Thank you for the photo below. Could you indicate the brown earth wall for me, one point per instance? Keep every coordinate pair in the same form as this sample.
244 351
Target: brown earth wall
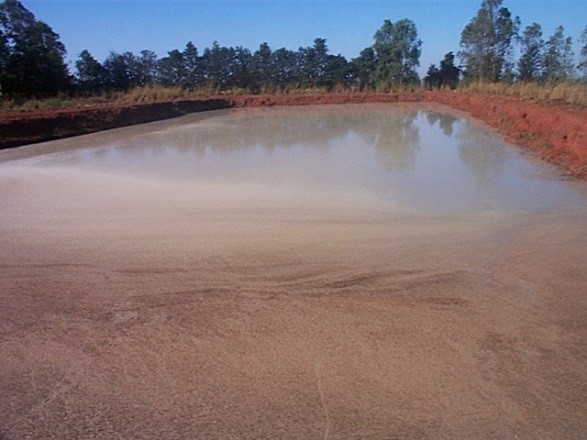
554 133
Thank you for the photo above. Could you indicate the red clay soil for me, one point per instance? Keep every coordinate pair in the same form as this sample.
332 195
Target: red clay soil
556 134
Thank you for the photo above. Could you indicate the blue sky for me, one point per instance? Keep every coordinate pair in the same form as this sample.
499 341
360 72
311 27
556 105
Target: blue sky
348 25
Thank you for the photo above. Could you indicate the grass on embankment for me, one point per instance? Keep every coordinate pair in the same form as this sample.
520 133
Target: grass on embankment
572 94
143 94
565 94
137 95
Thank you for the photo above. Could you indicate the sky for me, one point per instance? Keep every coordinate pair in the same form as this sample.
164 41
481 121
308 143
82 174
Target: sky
348 26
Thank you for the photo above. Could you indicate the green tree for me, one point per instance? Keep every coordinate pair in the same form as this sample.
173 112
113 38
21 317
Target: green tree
263 67
91 75
123 70
532 53
241 68
558 58
4 50
337 71
583 60
286 68
148 71
364 68
432 79
397 52
32 56
487 43
312 62
6 78
172 69
218 62
194 75
449 73
447 76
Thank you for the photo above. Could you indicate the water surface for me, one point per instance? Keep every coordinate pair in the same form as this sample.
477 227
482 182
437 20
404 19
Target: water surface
400 157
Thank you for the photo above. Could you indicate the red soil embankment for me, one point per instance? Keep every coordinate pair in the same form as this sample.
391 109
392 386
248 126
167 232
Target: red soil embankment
556 134
22 128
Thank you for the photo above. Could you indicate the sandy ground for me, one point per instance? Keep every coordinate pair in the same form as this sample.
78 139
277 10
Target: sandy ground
260 314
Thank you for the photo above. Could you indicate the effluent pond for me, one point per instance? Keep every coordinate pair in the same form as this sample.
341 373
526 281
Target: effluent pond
392 159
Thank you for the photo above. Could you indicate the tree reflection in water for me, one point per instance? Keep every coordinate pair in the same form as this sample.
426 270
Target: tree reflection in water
445 120
390 129
482 152
395 136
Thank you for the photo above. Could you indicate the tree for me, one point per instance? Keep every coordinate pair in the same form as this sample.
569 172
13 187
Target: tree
92 76
218 62
449 73
4 50
194 75
313 62
286 68
123 70
5 77
364 68
263 67
31 54
172 69
397 52
336 72
241 67
447 76
532 53
148 71
487 43
558 59
583 60
432 80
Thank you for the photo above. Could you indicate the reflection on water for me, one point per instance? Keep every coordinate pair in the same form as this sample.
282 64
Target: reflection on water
405 157
445 121
481 152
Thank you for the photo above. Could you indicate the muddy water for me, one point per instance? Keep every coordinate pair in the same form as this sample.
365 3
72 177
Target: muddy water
368 271
399 159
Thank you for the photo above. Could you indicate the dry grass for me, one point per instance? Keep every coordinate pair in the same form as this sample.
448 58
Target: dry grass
137 95
155 94
574 94
58 102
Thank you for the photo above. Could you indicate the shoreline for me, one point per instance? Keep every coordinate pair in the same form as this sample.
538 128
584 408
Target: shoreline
555 134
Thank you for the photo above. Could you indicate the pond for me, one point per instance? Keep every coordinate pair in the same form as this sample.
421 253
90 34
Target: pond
393 158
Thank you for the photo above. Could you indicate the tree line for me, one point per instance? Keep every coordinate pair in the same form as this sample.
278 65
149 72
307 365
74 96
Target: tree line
489 40
32 60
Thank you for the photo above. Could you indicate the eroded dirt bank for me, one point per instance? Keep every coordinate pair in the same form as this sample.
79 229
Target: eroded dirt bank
556 134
